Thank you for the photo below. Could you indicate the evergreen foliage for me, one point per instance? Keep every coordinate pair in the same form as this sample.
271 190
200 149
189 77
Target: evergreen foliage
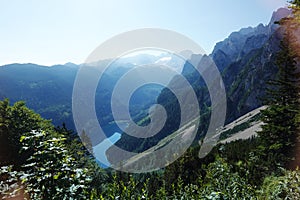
280 128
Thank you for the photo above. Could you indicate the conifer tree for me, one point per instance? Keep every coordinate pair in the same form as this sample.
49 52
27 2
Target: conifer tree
279 131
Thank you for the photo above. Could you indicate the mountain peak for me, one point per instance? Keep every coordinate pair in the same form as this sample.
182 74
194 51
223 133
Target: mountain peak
70 64
279 14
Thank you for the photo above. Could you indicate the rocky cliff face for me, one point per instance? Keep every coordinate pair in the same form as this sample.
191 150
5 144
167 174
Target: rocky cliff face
246 79
249 66
240 43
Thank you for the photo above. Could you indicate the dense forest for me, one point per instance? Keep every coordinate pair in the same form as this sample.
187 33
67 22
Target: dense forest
41 161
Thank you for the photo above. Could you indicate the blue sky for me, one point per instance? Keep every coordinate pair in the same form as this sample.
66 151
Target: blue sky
59 31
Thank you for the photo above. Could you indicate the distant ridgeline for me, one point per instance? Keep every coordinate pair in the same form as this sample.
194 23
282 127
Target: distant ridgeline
245 60
48 90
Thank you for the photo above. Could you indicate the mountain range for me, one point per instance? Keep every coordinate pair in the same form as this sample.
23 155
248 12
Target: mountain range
48 89
245 60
